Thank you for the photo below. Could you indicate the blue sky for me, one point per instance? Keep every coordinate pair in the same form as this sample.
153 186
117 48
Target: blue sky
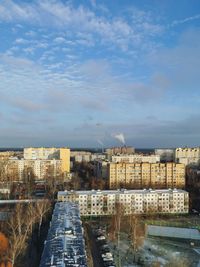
77 73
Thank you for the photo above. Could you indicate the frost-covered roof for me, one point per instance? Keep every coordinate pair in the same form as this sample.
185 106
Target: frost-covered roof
65 245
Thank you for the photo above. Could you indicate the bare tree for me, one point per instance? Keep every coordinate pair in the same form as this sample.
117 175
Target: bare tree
116 221
116 227
137 231
19 229
76 182
42 209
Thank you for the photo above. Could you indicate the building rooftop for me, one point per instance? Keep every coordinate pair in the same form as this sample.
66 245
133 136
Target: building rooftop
65 245
120 191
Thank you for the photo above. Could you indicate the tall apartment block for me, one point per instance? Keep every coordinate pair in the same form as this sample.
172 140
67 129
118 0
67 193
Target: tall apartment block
146 175
43 153
97 202
188 155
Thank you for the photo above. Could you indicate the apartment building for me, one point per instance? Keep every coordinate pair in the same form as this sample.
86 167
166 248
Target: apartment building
119 150
81 156
188 155
101 168
5 155
146 175
42 169
65 244
166 154
107 202
135 158
44 153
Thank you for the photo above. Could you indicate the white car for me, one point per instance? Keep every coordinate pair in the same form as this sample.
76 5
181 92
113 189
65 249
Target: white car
102 237
107 255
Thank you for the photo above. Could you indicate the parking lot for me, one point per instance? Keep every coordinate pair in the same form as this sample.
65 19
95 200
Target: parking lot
100 248
153 251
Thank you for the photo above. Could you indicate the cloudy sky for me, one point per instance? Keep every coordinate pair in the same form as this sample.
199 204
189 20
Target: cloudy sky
78 72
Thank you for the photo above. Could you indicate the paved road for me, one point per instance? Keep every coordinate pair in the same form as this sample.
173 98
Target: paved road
97 260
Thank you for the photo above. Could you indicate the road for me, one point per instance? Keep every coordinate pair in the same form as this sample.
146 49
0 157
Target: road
97 260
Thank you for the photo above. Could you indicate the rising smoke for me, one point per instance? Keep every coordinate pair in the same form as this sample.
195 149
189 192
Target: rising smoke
100 142
120 137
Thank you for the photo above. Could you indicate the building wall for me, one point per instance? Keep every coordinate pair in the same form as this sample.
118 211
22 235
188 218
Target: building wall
140 175
41 169
109 202
43 153
5 155
101 169
187 155
65 158
120 150
136 158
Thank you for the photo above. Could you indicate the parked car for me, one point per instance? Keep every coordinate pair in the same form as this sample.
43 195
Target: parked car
101 237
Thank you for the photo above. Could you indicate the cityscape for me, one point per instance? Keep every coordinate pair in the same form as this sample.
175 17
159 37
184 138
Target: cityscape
111 207
99 133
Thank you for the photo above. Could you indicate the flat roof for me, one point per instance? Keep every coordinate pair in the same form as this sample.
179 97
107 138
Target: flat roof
121 191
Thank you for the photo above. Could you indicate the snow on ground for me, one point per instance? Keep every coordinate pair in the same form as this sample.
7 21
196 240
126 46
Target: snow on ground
154 250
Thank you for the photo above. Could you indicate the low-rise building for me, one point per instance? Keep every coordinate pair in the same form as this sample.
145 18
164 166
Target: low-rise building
65 244
105 202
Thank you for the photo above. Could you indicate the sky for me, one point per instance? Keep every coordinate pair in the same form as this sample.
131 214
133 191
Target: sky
77 73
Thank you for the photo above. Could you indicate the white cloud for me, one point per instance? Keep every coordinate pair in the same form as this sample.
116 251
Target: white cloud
59 40
90 86
21 41
115 30
188 19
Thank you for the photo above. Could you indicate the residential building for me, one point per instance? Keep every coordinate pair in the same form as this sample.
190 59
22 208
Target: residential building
41 169
101 168
188 155
135 158
81 156
166 154
65 245
107 202
5 155
98 156
44 153
119 150
146 175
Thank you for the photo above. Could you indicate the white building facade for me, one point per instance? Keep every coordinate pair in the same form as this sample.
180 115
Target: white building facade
188 155
97 202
